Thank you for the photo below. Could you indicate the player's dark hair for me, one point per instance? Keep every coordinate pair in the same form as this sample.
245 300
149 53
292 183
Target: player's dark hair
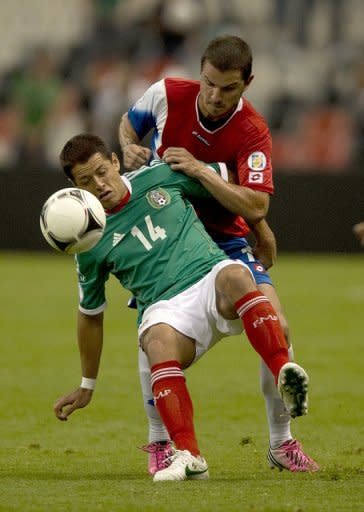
229 52
79 149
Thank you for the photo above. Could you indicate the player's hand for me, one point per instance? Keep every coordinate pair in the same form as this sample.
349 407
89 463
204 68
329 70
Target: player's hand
183 161
265 249
358 230
266 253
134 156
70 402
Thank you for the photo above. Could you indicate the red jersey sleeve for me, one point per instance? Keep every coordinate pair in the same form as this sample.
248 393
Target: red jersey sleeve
254 161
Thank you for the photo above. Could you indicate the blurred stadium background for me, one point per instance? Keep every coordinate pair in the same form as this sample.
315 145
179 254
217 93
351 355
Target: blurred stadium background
77 65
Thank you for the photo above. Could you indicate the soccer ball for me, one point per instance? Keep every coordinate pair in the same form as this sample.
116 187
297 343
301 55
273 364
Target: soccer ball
72 220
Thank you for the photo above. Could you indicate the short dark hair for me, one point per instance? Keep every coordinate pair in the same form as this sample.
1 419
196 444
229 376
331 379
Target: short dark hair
229 52
79 149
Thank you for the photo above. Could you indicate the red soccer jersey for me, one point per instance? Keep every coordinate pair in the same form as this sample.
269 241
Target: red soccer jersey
243 142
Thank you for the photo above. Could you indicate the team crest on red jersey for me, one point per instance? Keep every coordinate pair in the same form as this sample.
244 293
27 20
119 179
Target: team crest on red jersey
158 198
257 161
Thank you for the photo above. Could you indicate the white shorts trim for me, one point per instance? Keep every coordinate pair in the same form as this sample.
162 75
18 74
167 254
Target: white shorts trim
193 313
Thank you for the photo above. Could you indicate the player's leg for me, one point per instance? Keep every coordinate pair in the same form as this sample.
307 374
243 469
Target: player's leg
159 446
239 249
168 352
188 316
157 431
236 293
284 451
279 421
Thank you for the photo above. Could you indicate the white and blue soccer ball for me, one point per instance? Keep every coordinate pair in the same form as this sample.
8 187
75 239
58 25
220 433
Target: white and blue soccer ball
72 220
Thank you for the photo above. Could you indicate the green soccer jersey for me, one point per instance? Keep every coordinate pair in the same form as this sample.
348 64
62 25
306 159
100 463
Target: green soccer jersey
155 245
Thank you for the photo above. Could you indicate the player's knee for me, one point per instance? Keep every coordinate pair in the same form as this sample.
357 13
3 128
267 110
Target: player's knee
155 347
241 280
232 283
235 280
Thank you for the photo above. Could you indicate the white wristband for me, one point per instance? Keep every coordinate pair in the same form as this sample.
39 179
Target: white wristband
88 383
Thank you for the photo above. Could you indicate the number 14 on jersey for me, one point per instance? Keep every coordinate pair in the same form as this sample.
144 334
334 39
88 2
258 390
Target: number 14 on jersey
154 232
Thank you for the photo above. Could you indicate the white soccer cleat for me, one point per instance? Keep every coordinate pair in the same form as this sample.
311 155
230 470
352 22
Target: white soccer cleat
184 466
293 387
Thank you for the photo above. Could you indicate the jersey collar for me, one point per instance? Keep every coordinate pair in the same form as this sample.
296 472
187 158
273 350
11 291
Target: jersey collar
238 108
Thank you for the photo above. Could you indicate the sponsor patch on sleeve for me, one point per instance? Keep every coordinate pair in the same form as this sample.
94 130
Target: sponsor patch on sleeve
255 177
257 161
258 267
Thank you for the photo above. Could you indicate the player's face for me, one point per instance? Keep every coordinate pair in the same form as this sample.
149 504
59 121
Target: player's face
220 91
101 177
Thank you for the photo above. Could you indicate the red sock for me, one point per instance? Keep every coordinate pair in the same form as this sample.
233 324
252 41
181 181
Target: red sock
172 399
264 330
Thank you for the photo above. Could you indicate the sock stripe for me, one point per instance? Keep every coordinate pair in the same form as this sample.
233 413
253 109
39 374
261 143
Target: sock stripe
250 304
163 373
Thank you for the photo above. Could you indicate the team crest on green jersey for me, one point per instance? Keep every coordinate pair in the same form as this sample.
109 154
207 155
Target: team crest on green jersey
158 198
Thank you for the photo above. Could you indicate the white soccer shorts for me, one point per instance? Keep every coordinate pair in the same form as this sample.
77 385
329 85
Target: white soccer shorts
193 313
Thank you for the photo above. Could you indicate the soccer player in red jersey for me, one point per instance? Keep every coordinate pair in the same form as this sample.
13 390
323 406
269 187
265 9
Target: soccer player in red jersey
210 120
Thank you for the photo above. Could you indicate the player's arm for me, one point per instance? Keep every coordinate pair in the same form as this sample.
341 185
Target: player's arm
250 204
265 248
138 122
134 154
90 340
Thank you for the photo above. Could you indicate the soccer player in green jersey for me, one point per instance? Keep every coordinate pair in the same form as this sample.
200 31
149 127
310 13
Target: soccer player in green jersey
189 294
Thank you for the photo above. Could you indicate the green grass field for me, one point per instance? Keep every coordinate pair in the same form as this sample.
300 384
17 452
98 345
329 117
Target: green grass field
91 462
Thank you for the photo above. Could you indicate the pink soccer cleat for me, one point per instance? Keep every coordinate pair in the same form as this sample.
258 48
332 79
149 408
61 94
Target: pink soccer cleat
291 456
159 451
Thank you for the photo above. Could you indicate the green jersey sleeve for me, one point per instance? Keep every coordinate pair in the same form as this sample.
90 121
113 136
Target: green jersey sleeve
92 277
192 187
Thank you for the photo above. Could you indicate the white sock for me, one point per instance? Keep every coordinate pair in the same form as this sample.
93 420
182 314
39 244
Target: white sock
157 430
279 421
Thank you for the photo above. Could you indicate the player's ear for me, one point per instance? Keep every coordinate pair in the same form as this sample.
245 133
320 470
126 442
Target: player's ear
70 178
115 161
248 81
